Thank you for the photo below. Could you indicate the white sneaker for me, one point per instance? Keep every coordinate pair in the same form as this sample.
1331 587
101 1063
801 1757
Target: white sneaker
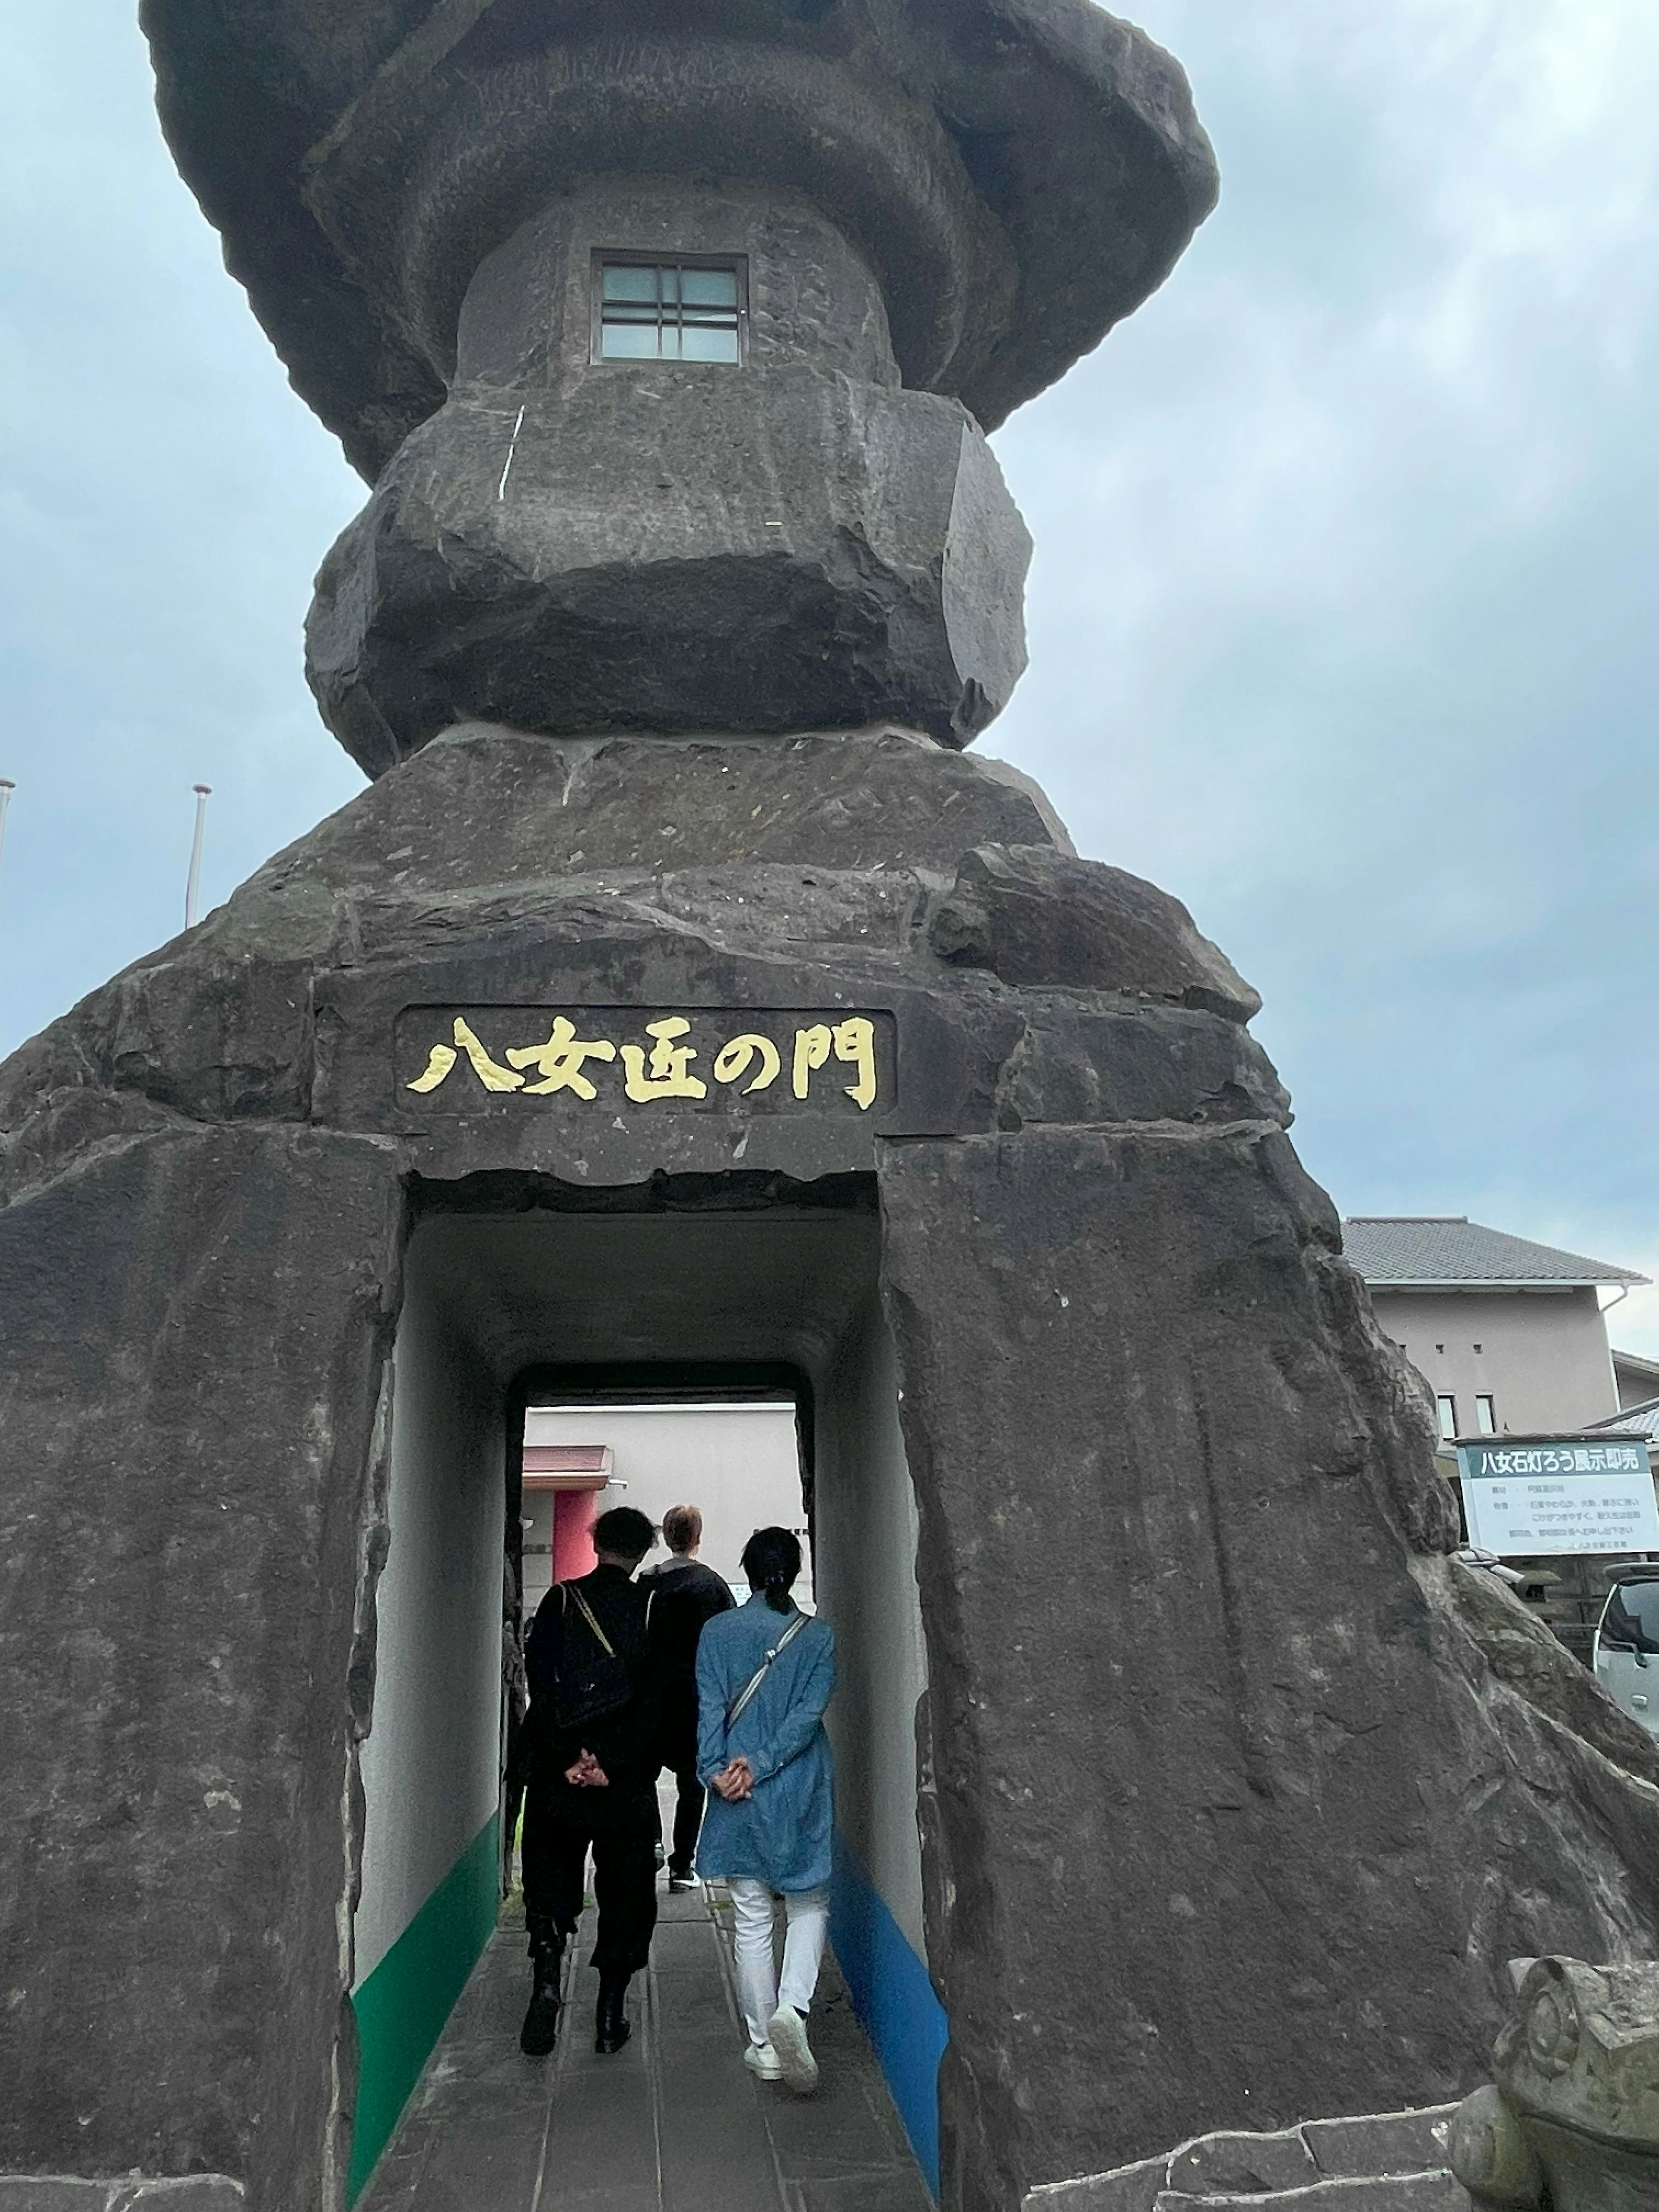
761 2060
795 2061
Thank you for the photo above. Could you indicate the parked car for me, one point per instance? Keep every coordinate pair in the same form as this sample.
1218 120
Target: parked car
1627 1647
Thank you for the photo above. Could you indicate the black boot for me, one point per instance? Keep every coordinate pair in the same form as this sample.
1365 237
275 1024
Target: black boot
611 2028
541 2023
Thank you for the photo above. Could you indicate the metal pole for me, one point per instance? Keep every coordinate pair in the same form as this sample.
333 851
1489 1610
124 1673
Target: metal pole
204 793
6 787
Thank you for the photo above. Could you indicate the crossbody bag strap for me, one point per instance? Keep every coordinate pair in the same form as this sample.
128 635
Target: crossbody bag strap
746 1696
588 1616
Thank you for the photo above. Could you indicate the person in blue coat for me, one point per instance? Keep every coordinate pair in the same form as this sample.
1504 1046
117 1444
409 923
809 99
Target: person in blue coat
765 1674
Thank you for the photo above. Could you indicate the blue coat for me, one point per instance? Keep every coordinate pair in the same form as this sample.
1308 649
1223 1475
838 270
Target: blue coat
781 1835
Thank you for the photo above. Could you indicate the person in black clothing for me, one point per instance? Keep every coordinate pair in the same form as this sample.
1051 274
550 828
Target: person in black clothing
686 1594
591 1785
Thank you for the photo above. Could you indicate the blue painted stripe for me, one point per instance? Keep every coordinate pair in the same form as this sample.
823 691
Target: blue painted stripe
907 2025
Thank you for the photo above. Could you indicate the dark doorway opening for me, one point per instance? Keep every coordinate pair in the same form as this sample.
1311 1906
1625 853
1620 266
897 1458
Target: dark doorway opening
517 1289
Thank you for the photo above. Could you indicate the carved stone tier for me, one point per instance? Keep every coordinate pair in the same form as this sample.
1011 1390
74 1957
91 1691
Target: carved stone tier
1022 172
921 214
572 545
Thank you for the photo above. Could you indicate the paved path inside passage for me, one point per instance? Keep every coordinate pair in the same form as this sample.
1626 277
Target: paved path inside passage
673 2122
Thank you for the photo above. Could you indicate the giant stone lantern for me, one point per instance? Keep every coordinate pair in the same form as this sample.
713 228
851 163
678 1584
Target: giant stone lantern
681 1003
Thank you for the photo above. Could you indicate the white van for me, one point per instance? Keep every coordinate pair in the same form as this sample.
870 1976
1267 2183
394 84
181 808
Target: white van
1627 1647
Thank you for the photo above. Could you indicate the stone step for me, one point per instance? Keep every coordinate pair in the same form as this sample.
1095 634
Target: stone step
1376 2162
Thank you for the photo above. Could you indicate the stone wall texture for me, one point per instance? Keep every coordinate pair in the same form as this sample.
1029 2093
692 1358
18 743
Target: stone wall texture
1235 1793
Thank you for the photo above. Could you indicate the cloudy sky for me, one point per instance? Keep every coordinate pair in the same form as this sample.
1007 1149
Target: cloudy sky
1343 614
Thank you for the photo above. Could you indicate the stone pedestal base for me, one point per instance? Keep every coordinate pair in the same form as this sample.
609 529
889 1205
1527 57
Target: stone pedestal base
1225 1816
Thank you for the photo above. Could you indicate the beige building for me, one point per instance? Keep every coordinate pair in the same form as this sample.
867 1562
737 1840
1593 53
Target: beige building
1509 1335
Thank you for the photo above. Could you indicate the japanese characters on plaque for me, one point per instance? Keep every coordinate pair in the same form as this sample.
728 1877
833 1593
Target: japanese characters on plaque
1480 1461
616 1056
1559 1496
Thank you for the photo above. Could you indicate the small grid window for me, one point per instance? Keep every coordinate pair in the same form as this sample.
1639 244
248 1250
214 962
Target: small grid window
668 311
1486 1415
1447 1410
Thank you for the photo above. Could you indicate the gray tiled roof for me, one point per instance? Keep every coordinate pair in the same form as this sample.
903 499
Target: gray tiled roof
1450 1248
1637 1420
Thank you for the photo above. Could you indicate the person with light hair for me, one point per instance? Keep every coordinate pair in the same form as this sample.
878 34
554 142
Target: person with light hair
765 1674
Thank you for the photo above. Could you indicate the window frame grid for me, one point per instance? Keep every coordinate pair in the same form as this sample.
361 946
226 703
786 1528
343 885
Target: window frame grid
604 257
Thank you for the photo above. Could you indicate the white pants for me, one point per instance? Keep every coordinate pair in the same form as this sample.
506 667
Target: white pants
759 1989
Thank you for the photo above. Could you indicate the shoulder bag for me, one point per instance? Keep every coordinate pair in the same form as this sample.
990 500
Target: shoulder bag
583 1694
745 1697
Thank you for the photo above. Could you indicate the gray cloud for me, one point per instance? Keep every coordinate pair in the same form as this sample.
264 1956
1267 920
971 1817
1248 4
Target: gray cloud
1342 610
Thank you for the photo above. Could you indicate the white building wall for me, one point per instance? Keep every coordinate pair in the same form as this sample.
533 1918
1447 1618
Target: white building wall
1541 1355
739 1464
431 1763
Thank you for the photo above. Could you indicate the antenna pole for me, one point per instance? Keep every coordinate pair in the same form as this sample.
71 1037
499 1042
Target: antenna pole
6 787
192 887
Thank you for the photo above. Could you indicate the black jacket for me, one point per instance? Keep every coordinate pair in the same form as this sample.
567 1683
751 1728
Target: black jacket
625 1742
686 1594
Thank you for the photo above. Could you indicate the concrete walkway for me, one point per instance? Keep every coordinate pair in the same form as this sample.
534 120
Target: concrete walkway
674 2123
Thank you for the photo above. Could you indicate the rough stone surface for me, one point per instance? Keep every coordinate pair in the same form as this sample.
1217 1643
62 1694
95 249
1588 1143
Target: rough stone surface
928 210
1354 2159
1193 1861
1383 2192
1380 2142
194 2192
48 2192
724 553
1522 1652
505 870
580 544
1022 172
1241 2164
187 2192
1279 1805
189 1371
1039 916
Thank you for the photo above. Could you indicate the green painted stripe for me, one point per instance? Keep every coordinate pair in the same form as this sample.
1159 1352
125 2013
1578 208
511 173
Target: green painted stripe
401 2008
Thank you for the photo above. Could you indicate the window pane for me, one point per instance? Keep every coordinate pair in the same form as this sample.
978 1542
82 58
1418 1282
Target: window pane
700 344
709 287
1485 1419
629 342
622 283
1447 1409
665 311
1632 1616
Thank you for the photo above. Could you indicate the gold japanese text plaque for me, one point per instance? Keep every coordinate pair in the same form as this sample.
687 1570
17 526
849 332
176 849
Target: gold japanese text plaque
591 1060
